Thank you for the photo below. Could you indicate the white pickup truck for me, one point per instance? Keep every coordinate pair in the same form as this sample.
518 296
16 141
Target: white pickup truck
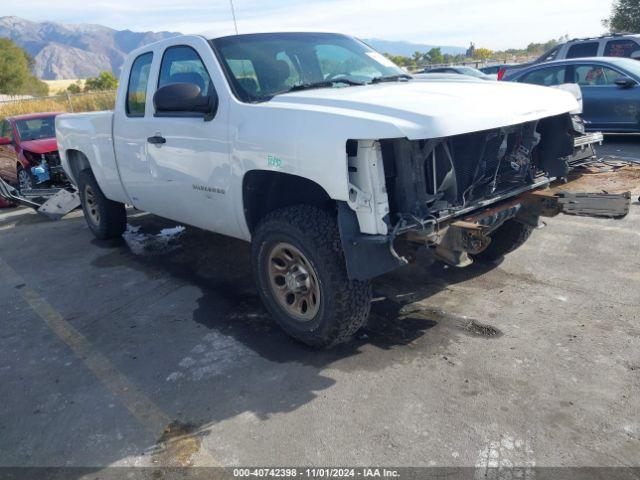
330 159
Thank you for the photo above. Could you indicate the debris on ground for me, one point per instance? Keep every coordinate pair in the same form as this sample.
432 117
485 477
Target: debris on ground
611 177
146 244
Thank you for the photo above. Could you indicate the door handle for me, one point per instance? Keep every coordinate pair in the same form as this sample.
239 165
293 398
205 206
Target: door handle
157 140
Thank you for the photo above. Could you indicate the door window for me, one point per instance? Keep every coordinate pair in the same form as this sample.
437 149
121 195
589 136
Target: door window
595 75
5 130
621 48
137 89
182 64
546 76
581 50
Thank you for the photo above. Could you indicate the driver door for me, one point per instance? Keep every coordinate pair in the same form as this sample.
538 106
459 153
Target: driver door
177 165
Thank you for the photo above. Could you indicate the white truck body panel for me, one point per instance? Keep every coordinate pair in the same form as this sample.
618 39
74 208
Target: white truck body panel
197 176
90 133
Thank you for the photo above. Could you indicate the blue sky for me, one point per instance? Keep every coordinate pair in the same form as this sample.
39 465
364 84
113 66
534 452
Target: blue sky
494 24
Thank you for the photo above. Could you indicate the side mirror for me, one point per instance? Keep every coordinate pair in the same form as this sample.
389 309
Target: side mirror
5 141
626 82
183 99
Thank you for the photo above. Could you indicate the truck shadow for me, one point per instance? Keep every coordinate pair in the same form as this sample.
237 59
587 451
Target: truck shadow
220 267
242 363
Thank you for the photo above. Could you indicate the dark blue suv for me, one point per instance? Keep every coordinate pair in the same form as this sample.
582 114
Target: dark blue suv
610 88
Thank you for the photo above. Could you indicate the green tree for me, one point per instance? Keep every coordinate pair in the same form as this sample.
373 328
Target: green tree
625 17
16 77
435 56
417 58
75 87
399 60
104 81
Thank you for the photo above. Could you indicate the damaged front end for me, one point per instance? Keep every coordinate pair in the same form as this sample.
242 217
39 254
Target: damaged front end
449 193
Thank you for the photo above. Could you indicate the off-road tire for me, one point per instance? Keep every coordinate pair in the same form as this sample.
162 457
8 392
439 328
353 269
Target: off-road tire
505 239
344 304
112 216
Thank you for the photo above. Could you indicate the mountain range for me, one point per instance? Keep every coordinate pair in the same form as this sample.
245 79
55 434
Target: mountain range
74 51
407 49
65 51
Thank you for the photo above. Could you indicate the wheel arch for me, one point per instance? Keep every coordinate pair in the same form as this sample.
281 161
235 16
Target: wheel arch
264 191
77 162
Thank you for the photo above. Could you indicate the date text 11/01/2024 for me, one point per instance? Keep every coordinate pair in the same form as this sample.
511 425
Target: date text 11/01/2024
316 472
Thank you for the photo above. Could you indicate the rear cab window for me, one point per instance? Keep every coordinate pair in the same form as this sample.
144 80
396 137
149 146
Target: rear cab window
137 88
621 48
546 76
585 49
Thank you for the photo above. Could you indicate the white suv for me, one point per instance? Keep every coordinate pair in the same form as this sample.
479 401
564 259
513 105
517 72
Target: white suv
616 45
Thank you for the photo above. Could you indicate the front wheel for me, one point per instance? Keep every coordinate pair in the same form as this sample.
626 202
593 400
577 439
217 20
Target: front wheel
505 239
106 219
26 180
301 277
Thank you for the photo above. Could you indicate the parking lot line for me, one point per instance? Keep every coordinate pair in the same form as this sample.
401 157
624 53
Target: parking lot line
141 407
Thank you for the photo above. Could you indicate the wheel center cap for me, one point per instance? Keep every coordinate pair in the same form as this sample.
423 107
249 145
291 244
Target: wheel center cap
297 279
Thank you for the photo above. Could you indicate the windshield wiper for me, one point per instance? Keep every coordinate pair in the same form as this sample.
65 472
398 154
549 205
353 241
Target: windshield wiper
321 84
391 78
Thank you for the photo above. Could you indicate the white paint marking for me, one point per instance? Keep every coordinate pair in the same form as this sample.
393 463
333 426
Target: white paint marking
508 458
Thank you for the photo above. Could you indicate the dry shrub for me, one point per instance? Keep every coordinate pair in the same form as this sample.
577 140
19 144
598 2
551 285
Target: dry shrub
82 102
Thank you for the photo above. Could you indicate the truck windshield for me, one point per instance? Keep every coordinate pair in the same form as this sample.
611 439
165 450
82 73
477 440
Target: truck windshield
36 128
260 66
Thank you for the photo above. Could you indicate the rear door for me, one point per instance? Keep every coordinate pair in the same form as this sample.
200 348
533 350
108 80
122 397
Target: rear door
8 159
130 126
606 105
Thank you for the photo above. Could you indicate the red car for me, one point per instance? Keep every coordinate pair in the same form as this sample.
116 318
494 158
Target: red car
29 155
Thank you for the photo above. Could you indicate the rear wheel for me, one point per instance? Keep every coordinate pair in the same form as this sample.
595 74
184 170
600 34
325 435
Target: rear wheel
505 239
106 219
301 277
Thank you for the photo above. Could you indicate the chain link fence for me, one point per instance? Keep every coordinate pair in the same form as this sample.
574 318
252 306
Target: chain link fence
67 102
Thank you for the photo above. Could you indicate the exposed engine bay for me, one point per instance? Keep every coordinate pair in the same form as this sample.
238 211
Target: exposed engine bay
452 193
433 178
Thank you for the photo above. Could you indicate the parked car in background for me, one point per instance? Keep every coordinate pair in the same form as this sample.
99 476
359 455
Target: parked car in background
6 204
459 70
29 152
495 69
610 89
616 45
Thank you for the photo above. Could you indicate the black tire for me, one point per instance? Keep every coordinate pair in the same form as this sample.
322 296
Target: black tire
505 239
31 178
106 219
344 304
